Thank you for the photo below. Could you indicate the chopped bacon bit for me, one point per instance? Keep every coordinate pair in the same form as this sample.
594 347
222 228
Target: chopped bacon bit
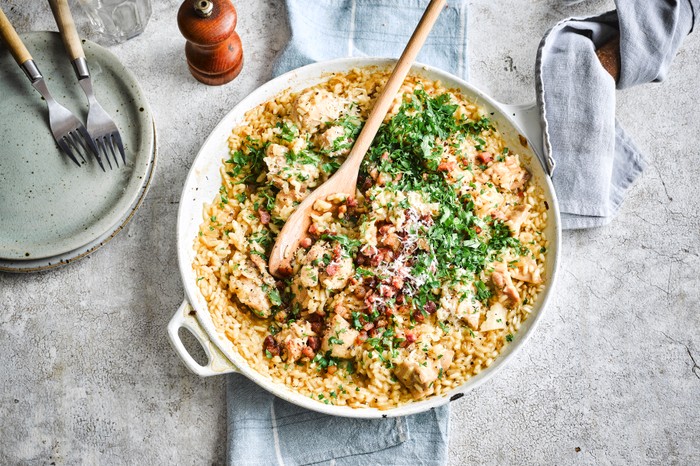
400 299
376 260
385 228
313 230
264 216
477 229
351 201
362 336
270 345
337 251
484 157
314 343
308 352
306 242
387 291
332 269
397 282
382 323
367 327
316 322
430 307
418 316
447 166
410 338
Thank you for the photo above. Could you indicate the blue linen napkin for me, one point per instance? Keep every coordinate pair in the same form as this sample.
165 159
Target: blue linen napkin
263 429
576 97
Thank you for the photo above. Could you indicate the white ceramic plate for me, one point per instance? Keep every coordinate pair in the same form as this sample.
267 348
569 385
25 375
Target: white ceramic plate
203 183
49 208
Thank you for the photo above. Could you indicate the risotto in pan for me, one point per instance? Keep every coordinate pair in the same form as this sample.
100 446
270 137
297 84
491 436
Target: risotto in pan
400 292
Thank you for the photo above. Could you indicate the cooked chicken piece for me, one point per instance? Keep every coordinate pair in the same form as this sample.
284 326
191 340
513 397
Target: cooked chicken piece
284 174
259 263
328 138
503 283
250 293
316 107
337 274
391 240
339 338
284 203
454 302
495 318
515 218
276 161
490 201
527 271
293 339
418 376
508 174
470 312
305 285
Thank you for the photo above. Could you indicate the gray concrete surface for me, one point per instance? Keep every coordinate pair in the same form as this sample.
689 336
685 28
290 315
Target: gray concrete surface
610 377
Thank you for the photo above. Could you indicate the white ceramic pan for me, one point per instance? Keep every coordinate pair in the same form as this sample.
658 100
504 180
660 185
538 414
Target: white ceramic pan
203 183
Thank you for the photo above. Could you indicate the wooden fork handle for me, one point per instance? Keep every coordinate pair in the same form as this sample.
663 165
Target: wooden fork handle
66 26
9 35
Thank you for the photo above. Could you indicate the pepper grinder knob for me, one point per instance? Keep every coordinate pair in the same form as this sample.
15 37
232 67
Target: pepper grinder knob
213 50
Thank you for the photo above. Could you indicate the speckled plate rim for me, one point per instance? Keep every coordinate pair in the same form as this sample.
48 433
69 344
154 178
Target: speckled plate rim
47 263
104 225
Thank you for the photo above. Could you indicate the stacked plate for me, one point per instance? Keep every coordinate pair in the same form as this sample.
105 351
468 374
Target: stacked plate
51 211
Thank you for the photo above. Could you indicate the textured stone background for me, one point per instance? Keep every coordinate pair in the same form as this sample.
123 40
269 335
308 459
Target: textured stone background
611 375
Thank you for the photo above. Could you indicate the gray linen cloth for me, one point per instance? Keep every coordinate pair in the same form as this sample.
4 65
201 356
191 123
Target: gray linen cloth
263 429
596 161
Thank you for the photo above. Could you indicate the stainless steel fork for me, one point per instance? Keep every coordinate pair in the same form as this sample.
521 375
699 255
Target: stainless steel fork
99 124
70 134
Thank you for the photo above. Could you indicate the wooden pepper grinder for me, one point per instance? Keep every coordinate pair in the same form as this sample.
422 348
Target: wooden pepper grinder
213 50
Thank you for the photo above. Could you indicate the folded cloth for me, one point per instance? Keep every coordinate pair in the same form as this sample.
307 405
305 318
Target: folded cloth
327 29
596 161
263 429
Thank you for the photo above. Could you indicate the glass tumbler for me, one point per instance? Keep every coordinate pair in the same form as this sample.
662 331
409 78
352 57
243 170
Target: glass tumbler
115 21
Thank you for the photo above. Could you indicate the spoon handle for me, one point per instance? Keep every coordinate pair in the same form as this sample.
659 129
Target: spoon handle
344 180
384 101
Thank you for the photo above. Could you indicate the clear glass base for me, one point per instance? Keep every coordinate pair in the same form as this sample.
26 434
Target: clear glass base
115 21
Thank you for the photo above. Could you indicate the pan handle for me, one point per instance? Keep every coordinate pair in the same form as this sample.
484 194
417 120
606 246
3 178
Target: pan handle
529 121
217 363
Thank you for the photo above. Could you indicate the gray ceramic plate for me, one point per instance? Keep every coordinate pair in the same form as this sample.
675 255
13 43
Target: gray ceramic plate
50 208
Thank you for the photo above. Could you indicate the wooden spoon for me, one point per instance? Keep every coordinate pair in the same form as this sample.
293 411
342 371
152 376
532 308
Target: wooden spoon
344 180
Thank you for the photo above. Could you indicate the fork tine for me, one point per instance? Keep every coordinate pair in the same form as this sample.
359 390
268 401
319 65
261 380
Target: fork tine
95 153
118 138
92 146
71 139
79 144
103 148
110 143
66 150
